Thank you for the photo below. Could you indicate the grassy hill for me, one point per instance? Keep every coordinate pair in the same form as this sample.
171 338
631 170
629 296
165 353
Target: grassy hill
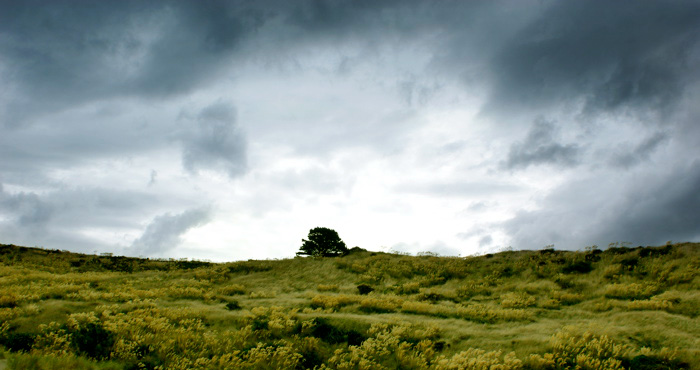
621 308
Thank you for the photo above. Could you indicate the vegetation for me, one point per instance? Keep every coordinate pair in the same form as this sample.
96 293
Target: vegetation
322 242
621 308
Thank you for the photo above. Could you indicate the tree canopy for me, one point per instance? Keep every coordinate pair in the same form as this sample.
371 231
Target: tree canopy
322 242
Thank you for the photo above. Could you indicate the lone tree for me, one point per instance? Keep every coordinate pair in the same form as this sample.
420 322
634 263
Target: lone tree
323 242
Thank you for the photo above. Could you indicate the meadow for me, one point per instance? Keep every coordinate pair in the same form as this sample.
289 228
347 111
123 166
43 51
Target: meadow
617 308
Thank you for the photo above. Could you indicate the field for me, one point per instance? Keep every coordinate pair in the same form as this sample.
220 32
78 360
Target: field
618 308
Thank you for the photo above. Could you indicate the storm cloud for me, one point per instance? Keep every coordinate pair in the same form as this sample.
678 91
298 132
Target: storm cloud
649 212
611 55
56 55
225 130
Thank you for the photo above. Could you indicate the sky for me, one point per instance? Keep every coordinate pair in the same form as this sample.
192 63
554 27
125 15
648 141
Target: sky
226 130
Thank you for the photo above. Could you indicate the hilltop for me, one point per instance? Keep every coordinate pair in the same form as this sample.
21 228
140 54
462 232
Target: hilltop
618 308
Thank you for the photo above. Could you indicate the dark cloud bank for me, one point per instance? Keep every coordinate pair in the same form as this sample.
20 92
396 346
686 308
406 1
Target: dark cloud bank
602 62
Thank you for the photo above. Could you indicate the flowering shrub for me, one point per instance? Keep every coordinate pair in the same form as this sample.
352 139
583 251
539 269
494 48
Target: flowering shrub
380 304
649 304
232 289
333 301
517 300
630 291
571 350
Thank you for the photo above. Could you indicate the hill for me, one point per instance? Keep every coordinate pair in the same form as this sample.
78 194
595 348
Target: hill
619 308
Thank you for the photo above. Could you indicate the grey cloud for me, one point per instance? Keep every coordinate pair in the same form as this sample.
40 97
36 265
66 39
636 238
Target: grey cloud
57 217
215 142
540 147
610 54
70 140
585 212
154 177
640 153
485 241
415 93
26 210
67 207
164 233
477 206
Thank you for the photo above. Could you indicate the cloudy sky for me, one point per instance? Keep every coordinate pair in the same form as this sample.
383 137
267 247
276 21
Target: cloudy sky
226 130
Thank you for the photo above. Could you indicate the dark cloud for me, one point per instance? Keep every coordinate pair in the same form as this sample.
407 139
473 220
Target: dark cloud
215 142
654 215
585 212
58 54
163 233
540 147
609 54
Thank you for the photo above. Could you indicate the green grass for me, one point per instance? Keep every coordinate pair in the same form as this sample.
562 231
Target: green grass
621 308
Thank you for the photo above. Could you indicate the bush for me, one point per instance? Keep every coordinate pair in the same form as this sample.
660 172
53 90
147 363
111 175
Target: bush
630 291
580 351
324 330
432 297
379 305
643 362
472 289
408 288
566 298
580 267
248 267
517 300
233 305
629 263
655 251
333 301
232 289
17 342
8 301
93 341
364 289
